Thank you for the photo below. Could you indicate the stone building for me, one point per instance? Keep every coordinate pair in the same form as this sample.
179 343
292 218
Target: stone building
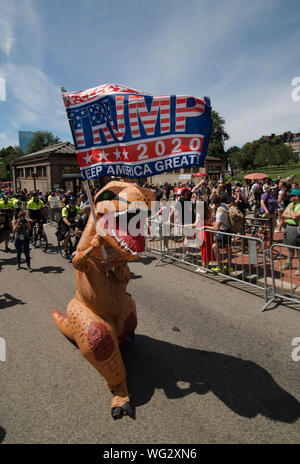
53 167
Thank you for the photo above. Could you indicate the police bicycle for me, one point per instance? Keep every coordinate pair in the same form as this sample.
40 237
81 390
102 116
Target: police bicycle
39 236
71 245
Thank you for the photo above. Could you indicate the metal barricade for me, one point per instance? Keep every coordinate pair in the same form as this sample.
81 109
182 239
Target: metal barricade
54 214
214 253
285 271
153 234
259 227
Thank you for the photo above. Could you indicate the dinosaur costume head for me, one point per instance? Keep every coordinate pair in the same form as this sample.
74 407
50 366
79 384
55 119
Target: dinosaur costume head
122 209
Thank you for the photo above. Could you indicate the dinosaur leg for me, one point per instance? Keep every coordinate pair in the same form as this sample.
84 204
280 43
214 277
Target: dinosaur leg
98 343
61 320
126 325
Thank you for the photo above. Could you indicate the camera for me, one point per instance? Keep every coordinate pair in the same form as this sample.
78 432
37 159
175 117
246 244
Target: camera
23 220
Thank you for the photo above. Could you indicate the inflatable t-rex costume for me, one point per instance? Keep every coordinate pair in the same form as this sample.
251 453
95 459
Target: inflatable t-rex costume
101 315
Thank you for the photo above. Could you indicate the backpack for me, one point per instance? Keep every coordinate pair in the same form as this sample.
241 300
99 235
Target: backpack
235 219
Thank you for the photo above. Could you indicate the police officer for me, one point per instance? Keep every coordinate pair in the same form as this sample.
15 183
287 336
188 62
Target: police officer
16 204
69 214
6 205
34 209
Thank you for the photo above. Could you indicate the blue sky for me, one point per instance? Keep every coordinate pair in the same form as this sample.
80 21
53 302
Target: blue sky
241 54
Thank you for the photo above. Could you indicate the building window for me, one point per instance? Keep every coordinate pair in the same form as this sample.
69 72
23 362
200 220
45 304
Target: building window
29 172
41 171
20 172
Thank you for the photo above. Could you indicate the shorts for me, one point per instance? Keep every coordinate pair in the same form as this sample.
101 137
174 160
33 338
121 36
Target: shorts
223 239
291 236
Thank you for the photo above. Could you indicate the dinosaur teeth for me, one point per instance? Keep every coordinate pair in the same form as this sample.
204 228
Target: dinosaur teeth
123 243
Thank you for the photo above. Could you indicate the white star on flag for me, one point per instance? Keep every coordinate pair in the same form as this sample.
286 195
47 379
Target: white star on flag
87 158
118 154
124 153
104 156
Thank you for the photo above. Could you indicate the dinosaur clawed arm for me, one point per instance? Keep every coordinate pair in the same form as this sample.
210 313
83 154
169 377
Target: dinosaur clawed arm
85 250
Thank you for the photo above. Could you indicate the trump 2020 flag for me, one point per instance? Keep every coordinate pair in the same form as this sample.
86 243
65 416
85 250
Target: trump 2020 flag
122 132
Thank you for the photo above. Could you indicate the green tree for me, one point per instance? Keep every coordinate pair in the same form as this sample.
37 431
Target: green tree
7 155
233 155
248 152
286 154
276 140
218 137
265 155
40 140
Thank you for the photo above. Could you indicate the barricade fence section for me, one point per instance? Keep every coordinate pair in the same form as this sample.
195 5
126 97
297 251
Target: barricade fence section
237 257
285 273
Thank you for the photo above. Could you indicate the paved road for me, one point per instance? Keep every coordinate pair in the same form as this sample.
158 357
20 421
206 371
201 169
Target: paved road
206 366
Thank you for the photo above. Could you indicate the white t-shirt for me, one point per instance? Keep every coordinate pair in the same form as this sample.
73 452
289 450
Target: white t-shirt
253 188
223 217
55 202
265 186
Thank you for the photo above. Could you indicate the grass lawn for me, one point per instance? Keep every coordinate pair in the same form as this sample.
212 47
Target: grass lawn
273 172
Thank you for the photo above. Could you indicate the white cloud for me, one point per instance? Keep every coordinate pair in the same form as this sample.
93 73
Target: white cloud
6 26
275 113
37 100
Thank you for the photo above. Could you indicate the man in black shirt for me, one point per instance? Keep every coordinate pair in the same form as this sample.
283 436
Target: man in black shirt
182 213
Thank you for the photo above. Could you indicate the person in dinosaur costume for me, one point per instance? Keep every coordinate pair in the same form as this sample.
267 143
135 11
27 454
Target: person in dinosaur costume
102 314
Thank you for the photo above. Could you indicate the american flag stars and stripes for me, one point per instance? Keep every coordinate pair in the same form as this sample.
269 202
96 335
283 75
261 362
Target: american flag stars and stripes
123 132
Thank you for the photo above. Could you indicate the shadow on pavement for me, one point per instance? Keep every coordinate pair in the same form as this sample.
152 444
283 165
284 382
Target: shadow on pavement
135 276
52 248
50 270
9 261
2 434
146 259
9 301
243 386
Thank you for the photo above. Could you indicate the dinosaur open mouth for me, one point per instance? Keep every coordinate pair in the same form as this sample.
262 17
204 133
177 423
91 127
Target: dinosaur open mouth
128 230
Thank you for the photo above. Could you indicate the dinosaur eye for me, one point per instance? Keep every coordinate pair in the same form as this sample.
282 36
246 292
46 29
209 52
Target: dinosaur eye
107 195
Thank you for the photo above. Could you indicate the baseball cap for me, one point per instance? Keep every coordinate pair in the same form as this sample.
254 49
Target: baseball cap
295 192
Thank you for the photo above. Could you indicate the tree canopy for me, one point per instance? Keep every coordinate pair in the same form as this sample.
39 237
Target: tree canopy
218 136
40 140
261 153
7 155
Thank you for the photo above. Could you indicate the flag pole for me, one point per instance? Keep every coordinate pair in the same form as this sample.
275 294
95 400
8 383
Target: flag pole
87 188
86 185
88 192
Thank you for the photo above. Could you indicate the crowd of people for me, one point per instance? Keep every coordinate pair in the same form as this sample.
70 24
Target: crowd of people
224 205
21 211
